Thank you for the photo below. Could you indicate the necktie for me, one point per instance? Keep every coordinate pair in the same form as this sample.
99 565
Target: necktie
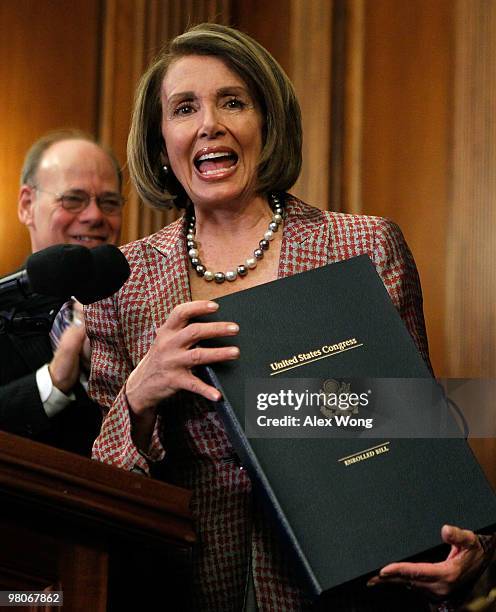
60 324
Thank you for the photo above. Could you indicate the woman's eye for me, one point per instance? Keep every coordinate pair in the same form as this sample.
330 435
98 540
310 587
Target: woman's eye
235 103
183 109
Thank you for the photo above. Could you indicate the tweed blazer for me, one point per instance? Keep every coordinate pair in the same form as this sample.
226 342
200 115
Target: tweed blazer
233 531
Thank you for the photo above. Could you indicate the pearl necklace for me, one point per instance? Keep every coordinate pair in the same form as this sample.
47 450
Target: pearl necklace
251 263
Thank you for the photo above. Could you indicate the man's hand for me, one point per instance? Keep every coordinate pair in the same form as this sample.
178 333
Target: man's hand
64 367
78 319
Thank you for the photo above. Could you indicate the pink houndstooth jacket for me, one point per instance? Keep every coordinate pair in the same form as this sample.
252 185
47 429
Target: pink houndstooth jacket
233 532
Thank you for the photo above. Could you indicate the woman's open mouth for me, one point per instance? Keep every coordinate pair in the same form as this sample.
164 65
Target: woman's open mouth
215 163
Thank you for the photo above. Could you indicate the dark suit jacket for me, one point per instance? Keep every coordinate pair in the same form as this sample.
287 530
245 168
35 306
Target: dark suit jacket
22 352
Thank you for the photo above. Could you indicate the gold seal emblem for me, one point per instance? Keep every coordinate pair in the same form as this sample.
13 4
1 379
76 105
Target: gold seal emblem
332 391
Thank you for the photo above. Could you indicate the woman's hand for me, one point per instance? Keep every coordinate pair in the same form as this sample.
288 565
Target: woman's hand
439 580
166 368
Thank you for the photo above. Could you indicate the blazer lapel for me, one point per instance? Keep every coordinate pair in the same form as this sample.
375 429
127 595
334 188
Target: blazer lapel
166 259
305 243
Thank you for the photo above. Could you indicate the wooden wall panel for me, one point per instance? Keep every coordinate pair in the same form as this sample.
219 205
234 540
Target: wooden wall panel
347 91
471 245
428 162
267 22
408 50
123 59
49 77
311 75
283 27
471 252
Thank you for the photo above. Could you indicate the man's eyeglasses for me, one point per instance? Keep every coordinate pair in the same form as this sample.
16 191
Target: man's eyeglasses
76 201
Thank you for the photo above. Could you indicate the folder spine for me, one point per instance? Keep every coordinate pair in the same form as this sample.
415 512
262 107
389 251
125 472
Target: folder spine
250 462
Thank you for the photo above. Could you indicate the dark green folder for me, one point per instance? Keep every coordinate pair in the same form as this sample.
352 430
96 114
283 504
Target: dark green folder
343 521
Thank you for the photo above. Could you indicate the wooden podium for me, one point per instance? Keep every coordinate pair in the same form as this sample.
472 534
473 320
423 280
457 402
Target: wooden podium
109 539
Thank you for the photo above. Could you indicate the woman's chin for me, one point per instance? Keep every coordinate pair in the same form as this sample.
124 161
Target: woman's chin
217 193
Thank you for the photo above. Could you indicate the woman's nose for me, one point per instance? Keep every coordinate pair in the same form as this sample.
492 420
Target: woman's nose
211 126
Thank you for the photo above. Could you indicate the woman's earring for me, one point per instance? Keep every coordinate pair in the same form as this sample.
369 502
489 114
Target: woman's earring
166 169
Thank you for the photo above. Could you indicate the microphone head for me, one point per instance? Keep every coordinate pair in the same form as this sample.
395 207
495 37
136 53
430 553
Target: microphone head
109 271
89 275
58 270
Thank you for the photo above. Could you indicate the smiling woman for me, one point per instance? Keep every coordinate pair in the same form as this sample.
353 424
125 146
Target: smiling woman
254 79
216 130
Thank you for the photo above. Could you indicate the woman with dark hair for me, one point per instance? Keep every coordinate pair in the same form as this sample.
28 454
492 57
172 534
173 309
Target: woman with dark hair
216 130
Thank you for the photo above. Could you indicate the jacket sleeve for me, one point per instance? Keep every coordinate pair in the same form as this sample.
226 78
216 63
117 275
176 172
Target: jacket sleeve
21 409
110 367
479 594
396 266
482 595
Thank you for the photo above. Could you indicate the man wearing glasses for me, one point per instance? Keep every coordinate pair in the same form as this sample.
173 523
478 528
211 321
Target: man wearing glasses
70 193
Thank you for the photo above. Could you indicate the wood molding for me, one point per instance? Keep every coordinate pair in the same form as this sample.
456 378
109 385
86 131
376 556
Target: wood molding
123 60
85 569
310 37
76 486
351 193
75 525
348 30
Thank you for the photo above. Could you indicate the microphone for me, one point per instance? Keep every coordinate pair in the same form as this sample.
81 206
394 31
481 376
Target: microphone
110 271
66 270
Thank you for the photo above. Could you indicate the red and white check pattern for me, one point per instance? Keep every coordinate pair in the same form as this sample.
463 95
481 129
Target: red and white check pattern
229 526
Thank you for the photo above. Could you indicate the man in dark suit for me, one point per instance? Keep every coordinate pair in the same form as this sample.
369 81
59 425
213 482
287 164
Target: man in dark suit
70 193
